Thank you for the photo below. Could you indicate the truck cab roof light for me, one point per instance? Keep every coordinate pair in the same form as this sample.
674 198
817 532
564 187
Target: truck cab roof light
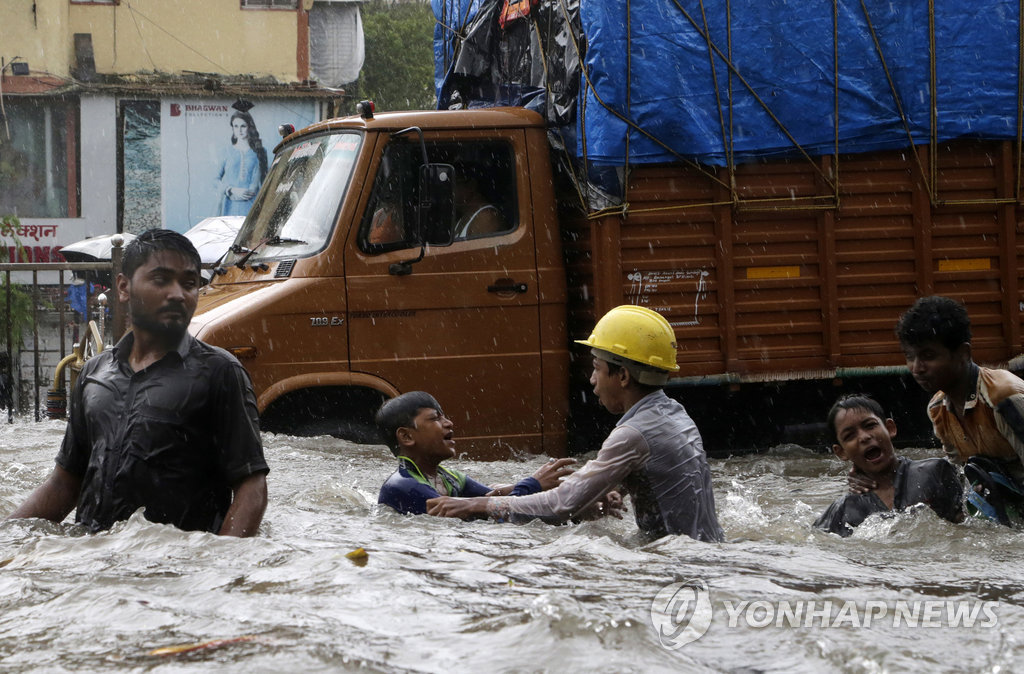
286 130
365 109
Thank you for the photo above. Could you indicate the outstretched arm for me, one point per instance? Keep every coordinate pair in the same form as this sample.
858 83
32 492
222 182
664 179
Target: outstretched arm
463 508
610 505
53 499
548 476
247 507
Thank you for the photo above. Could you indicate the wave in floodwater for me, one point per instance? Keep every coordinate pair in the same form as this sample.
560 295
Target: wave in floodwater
435 595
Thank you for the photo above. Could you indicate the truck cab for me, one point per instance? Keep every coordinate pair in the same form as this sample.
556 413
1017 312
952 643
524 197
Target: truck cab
399 252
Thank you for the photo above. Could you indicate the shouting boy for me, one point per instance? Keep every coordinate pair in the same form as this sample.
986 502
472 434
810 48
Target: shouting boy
863 436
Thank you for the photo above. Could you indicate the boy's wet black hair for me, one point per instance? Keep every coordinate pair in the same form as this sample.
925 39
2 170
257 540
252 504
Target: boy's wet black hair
934 318
138 251
853 401
400 412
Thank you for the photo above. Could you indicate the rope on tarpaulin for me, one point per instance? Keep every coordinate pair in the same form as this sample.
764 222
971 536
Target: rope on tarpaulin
625 120
734 70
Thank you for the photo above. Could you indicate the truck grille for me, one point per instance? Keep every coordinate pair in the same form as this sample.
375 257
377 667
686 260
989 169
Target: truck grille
284 269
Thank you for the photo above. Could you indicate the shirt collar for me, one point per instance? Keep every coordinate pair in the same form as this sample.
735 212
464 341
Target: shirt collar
408 468
972 397
123 348
648 399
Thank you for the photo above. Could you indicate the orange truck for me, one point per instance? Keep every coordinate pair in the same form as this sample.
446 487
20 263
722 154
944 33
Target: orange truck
438 251
779 180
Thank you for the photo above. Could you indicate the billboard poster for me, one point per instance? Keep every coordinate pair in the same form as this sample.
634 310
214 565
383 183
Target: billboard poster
215 153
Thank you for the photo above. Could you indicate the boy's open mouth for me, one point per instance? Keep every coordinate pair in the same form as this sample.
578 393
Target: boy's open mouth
873 454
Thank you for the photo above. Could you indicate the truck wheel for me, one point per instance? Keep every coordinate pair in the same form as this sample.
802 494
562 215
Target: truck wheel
345 413
353 431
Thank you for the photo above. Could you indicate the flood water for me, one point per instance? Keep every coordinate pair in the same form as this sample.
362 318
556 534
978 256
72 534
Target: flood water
442 595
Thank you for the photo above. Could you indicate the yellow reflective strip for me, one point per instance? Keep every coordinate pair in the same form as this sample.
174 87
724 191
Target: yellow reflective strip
773 272
966 264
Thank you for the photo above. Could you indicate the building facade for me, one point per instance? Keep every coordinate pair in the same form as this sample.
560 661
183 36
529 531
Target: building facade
121 115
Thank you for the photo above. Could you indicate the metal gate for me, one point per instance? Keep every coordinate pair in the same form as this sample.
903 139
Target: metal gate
37 329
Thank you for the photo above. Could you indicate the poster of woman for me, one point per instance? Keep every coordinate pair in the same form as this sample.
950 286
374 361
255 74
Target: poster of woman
214 158
243 164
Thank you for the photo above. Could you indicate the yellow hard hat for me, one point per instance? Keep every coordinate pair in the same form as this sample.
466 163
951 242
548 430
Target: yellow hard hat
639 335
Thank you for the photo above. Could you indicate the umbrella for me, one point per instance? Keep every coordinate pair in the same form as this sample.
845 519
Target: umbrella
213 236
93 249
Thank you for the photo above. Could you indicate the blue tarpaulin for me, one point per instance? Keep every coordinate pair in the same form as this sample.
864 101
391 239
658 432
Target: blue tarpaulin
756 78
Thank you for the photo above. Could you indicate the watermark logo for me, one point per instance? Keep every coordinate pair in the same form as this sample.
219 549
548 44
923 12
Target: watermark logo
681 613
831 614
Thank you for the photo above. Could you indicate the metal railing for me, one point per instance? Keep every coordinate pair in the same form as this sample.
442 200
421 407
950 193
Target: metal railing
36 292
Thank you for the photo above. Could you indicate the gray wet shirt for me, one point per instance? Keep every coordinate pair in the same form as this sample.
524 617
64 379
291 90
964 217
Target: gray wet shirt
934 482
656 454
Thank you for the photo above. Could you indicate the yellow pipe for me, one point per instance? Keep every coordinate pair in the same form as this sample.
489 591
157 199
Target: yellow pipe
61 365
75 359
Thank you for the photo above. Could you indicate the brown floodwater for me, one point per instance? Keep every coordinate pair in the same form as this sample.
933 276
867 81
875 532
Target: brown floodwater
435 595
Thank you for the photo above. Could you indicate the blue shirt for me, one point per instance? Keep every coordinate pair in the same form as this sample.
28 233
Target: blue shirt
407 491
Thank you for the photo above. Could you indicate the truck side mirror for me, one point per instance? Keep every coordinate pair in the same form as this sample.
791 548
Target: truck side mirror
435 213
437 203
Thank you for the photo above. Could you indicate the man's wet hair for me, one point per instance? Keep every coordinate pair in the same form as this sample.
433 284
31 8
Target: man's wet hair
853 401
139 250
400 412
934 318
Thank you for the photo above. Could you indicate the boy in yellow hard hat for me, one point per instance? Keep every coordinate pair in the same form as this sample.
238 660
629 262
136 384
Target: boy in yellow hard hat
654 453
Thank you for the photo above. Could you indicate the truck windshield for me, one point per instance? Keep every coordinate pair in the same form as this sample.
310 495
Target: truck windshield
298 205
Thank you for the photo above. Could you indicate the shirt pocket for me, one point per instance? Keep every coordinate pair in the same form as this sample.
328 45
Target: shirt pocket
160 438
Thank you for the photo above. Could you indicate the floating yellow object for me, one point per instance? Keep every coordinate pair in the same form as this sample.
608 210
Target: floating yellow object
358 556
189 648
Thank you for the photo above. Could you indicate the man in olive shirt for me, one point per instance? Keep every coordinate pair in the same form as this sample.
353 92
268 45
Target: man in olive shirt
161 420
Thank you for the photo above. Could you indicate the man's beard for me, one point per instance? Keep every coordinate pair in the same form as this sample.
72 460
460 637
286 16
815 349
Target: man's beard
168 333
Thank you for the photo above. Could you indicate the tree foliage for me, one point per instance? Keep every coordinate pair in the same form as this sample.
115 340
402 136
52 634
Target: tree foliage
20 318
398 72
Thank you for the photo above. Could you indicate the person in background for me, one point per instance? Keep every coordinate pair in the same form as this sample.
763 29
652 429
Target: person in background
977 413
862 434
417 431
655 451
475 214
159 421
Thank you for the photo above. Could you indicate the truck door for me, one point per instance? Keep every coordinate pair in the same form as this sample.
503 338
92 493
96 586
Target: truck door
464 324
